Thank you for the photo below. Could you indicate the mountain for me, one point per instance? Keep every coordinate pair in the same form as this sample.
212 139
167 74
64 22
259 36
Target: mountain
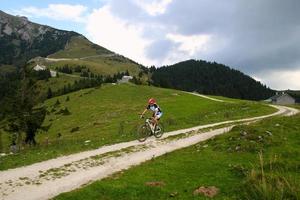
22 40
210 78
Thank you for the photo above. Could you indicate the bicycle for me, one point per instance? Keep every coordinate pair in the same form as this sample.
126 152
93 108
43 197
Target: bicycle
147 129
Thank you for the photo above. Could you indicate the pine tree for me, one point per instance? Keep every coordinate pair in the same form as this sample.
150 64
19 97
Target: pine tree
49 93
26 116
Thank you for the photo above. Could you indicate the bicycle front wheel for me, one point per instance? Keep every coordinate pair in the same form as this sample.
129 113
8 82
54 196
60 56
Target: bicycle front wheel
159 131
143 132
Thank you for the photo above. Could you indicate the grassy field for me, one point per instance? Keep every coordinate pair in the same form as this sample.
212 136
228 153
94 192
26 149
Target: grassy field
109 115
231 162
56 83
99 65
79 47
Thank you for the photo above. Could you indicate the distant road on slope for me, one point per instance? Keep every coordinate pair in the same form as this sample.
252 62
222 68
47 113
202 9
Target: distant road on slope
82 58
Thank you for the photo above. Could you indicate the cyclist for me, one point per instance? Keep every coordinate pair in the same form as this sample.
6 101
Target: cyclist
157 113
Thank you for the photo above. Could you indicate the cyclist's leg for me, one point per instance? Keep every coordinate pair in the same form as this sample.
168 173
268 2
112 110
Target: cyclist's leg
156 119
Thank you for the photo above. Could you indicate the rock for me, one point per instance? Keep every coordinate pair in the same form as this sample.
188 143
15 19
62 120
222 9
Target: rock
173 194
260 137
269 133
155 183
244 133
277 124
209 191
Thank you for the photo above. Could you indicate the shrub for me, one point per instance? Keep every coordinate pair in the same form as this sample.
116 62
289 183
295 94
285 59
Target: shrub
74 129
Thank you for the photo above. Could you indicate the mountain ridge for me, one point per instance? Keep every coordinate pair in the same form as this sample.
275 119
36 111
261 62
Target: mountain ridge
22 40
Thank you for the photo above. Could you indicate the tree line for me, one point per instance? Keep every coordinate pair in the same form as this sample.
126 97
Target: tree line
92 80
210 78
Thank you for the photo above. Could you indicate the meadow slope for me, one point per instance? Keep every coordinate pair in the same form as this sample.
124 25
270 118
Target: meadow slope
109 115
46 179
257 161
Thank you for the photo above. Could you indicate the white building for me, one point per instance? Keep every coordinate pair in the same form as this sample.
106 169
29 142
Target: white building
125 79
42 67
282 98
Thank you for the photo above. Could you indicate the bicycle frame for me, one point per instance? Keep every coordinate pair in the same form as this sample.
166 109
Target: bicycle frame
149 123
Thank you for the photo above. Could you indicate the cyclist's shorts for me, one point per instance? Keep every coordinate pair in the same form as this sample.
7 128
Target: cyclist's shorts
158 115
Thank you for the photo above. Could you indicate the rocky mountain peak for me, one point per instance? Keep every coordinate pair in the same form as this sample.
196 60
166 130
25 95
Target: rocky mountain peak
21 39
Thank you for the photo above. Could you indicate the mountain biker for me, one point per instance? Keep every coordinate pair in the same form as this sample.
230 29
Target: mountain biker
157 113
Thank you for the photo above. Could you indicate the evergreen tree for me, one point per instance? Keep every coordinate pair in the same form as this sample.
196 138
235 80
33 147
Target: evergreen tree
26 116
49 93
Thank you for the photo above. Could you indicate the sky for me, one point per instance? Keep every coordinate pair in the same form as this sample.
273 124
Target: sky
259 38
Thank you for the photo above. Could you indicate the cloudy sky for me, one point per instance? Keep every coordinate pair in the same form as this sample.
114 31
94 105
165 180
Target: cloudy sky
259 37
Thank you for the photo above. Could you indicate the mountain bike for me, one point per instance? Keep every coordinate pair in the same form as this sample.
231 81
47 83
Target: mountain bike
147 129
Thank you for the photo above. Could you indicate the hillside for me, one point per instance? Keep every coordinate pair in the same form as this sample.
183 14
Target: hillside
22 40
210 78
259 161
110 114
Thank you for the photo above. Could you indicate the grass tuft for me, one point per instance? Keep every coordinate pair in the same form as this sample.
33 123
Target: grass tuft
273 183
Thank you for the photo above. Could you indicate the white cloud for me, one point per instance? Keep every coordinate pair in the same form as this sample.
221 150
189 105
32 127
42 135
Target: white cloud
190 44
133 39
117 35
57 12
153 7
281 79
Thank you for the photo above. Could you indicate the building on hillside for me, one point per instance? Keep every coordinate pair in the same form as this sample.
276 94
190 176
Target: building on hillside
39 67
53 73
282 98
125 79
42 67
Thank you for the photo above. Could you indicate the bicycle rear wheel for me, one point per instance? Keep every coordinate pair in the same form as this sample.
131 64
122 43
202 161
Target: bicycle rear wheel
159 131
143 132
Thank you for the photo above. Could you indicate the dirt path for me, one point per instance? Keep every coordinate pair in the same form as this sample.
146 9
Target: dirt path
82 58
206 97
47 179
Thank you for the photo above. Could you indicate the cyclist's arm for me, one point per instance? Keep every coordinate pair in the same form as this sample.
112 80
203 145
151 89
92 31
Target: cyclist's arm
144 111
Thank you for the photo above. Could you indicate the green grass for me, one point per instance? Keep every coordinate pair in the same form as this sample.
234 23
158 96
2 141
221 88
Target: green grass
79 47
110 114
56 83
237 172
104 66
